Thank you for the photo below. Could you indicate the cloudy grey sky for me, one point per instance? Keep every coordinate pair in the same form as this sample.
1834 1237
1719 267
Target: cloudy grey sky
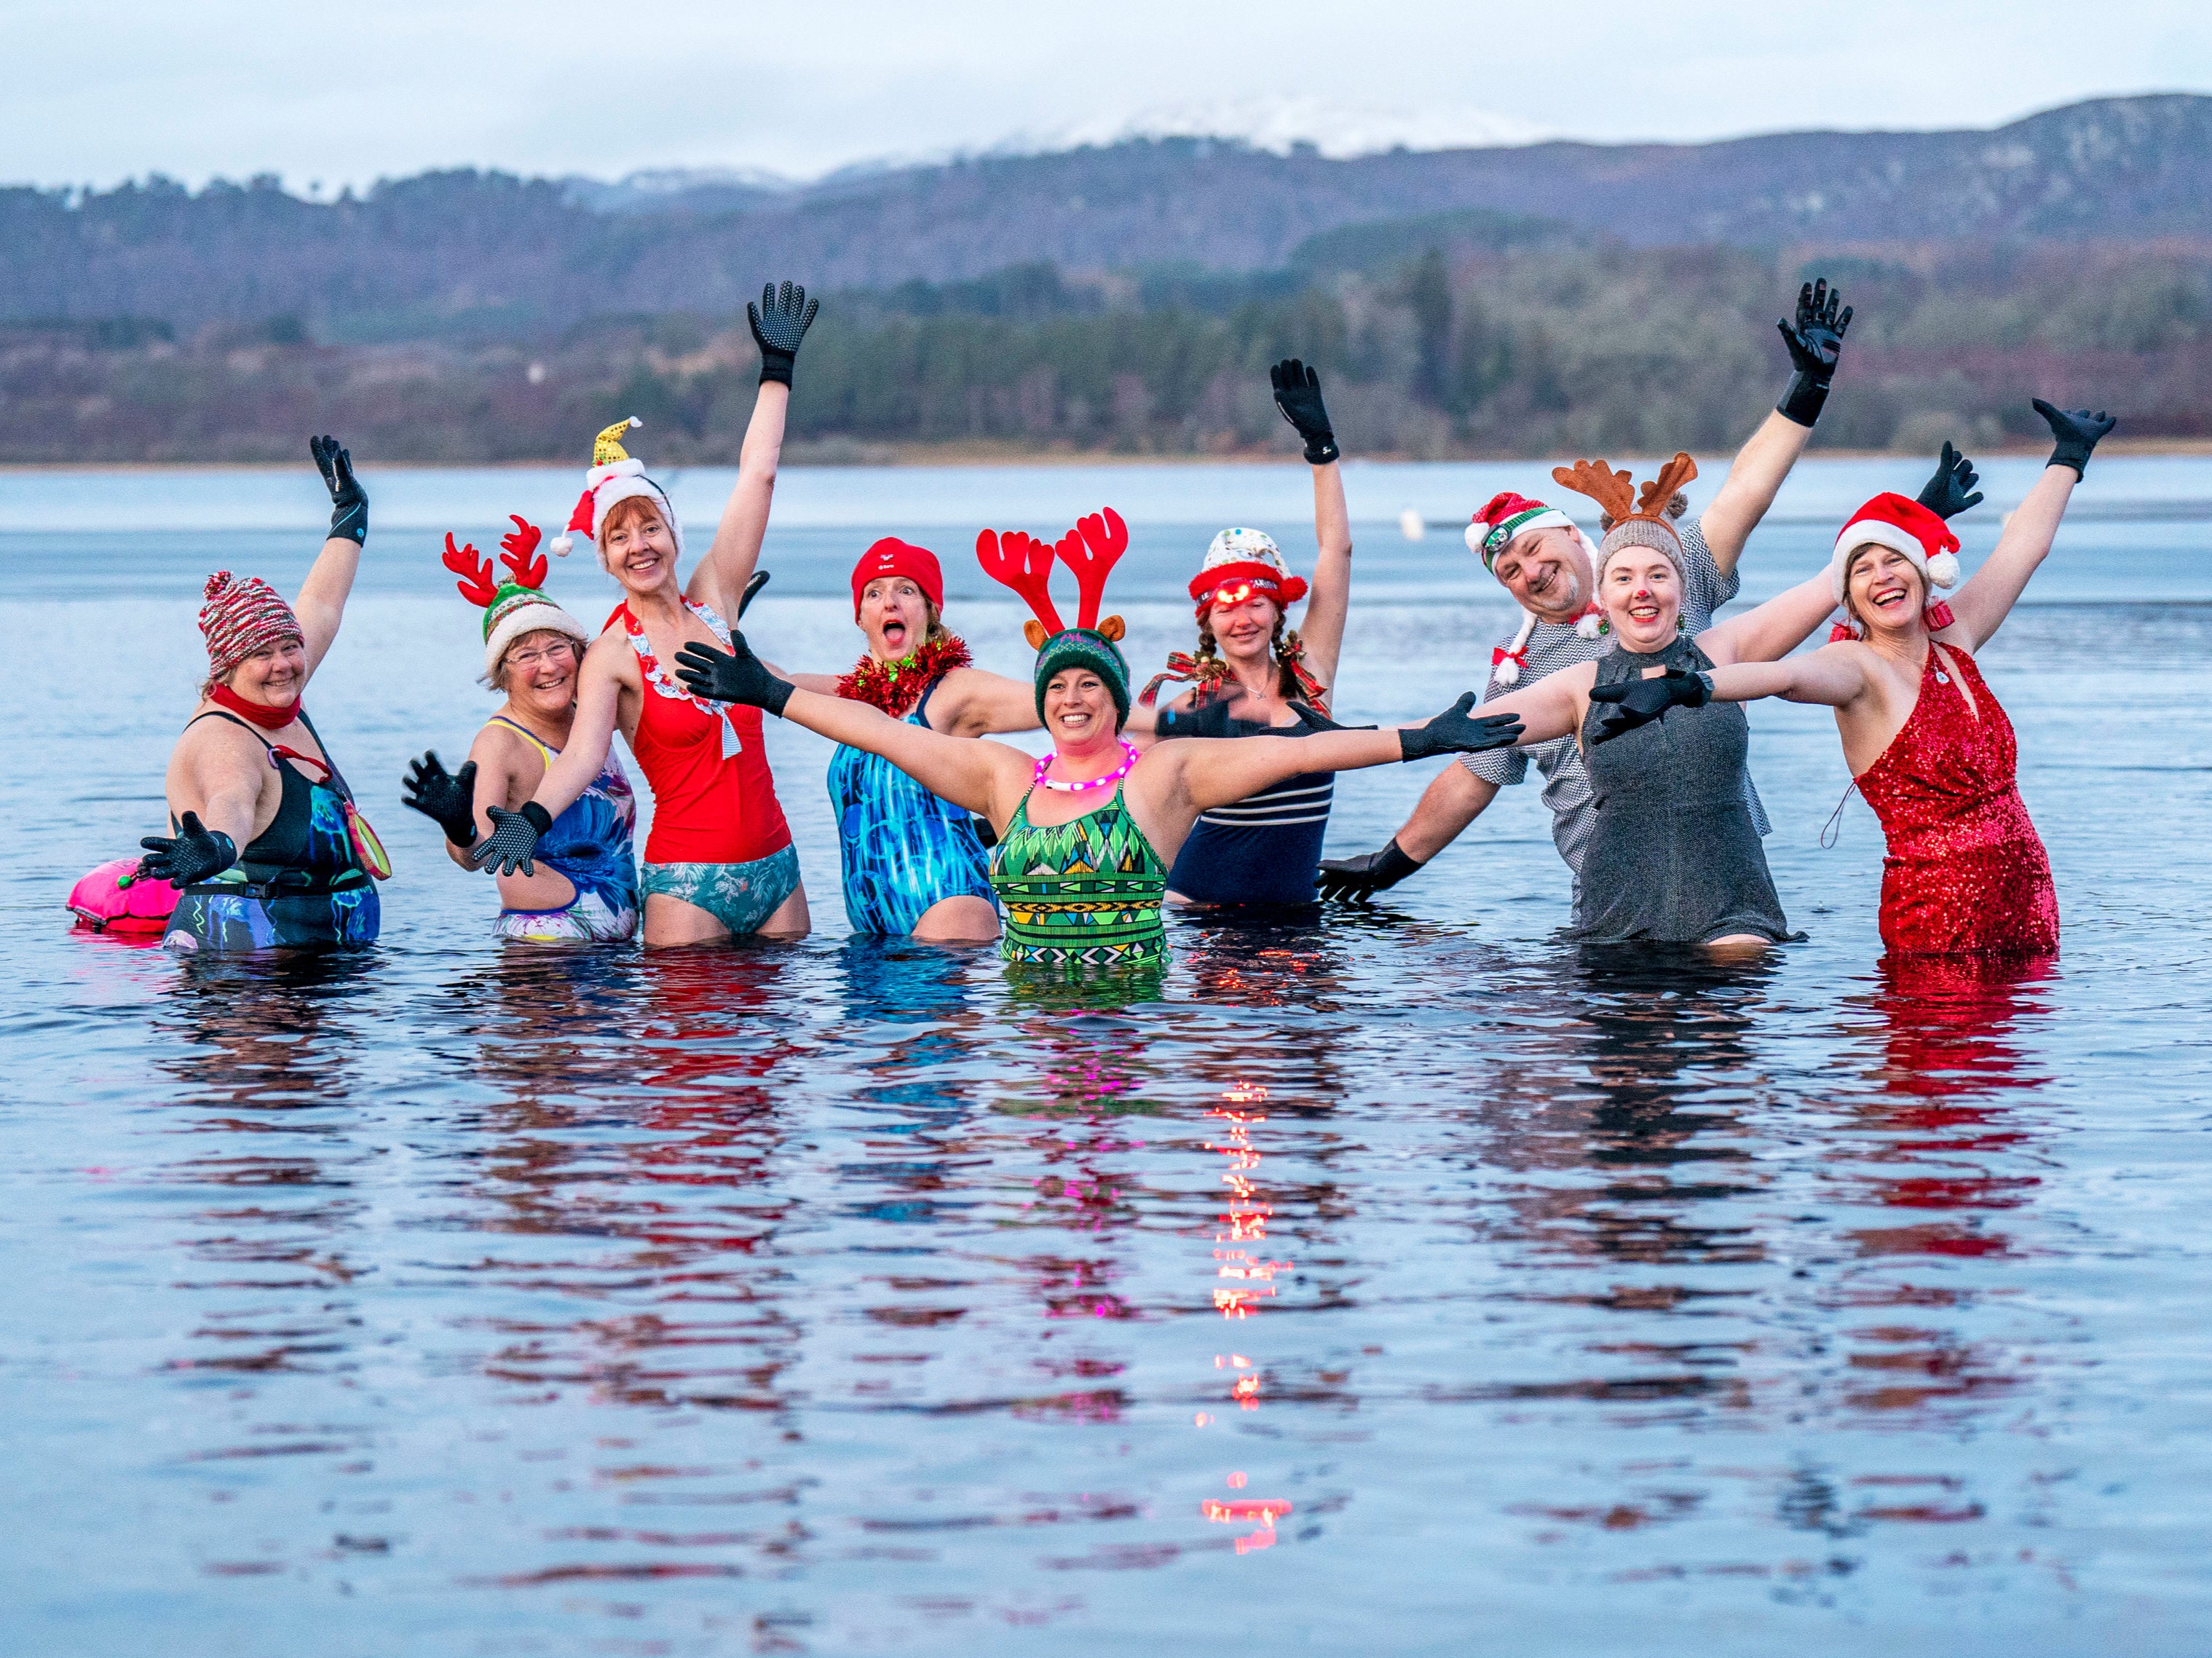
347 93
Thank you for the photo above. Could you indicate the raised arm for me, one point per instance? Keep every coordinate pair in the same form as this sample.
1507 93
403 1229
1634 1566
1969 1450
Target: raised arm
1297 395
1815 341
322 601
1980 607
779 323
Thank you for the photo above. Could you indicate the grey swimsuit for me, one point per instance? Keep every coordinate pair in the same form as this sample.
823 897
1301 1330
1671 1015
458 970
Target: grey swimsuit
1673 857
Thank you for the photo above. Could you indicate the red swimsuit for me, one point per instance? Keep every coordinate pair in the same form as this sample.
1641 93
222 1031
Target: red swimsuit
1965 871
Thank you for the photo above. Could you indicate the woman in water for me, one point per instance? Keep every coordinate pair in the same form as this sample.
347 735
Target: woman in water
264 846
912 864
1082 874
1928 743
1673 856
1264 850
582 883
718 862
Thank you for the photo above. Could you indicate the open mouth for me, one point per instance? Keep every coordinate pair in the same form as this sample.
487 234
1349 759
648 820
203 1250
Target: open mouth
894 636
1641 611
1888 598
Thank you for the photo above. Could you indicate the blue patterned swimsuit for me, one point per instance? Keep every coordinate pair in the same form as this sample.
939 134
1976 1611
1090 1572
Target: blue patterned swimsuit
589 843
901 848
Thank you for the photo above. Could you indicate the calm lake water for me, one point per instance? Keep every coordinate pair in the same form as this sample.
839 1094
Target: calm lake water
1408 1283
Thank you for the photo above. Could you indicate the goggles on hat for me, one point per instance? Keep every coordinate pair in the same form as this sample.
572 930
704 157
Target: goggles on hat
1237 592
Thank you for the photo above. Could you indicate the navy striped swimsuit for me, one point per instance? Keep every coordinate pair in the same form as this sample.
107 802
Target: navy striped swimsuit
1264 849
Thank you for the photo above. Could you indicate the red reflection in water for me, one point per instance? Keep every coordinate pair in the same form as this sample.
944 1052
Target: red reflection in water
1245 1278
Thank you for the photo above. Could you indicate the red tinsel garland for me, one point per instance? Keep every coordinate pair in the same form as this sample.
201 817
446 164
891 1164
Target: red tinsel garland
896 687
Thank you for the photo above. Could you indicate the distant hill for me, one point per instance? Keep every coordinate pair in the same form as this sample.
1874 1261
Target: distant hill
464 256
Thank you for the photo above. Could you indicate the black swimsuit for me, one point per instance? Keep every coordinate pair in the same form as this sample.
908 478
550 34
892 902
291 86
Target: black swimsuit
297 884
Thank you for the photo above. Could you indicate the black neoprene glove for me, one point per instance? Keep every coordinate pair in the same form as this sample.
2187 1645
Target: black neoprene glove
1208 717
1639 701
1357 880
1455 731
348 500
2077 431
732 676
1314 720
752 592
1945 494
1815 341
193 854
447 798
1297 394
779 323
512 842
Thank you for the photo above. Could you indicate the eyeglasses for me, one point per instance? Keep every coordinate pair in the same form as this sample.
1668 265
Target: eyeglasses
526 660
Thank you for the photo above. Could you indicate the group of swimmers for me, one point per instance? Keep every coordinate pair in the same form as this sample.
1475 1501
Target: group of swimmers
1618 684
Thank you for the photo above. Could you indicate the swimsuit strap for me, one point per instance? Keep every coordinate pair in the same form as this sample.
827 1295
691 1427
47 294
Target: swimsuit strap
546 749
278 752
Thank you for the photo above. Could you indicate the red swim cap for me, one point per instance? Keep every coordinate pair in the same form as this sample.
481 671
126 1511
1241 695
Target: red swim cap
891 556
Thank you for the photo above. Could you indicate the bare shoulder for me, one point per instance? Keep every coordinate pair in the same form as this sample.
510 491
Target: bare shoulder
214 740
610 654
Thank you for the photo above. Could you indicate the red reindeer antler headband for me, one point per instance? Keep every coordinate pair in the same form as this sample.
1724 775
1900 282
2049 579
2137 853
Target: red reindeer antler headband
516 550
476 581
1092 549
1019 561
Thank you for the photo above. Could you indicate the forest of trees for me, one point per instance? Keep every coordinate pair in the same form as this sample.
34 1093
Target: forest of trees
1495 337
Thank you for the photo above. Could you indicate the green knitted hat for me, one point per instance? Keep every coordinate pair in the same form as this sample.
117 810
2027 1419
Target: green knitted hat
1086 647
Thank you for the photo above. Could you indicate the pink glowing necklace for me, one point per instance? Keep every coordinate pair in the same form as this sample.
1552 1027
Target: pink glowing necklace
1128 760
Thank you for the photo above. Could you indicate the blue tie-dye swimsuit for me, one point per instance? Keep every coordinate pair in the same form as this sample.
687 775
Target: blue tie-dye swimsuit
901 847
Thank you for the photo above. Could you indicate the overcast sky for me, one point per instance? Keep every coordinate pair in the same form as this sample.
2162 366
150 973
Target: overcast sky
347 93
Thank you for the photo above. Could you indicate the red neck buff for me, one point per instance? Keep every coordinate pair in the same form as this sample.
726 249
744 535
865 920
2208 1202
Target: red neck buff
896 687
270 716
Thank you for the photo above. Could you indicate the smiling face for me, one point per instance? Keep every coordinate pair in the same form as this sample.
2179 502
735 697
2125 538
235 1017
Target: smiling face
896 615
1548 572
639 547
538 673
1883 590
272 674
1641 593
1243 622
1079 712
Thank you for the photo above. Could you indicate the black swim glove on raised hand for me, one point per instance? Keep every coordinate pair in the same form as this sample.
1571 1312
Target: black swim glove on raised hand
1639 701
779 323
1457 731
2078 432
447 798
1357 880
193 854
514 838
1297 394
1815 341
1945 494
348 500
732 676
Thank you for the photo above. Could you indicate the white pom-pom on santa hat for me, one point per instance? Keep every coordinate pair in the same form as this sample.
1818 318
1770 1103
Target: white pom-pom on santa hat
1474 535
1943 569
1590 623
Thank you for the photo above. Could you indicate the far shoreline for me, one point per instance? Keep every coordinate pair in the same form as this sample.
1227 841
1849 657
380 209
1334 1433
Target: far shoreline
900 456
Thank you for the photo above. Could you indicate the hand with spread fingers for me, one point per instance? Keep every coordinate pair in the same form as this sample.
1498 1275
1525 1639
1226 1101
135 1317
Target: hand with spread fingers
193 854
1297 394
1357 880
447 798
514 838
779 323
1945 494
732 676
2078 432
1815 341
1639 701
1459 731
348 500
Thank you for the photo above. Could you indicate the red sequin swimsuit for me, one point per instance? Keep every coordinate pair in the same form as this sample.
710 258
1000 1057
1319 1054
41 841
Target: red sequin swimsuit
1966 870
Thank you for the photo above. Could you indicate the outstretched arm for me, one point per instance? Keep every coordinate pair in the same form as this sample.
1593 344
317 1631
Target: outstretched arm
322 601
1833 676
1980 607
1816 342
974 702
1214 771
985 777
1550 707
1769 632
1297 395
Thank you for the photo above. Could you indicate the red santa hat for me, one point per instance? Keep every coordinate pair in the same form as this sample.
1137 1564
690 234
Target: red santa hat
1903 525
892 557
1245 558
1503 517
614 476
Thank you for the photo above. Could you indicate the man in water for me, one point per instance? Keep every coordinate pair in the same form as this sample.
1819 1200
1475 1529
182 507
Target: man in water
1549 567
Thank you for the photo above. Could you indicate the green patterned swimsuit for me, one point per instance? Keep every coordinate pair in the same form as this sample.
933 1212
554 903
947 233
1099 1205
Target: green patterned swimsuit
1087 891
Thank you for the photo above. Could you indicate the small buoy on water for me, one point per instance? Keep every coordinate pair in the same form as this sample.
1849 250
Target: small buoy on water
1413 526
